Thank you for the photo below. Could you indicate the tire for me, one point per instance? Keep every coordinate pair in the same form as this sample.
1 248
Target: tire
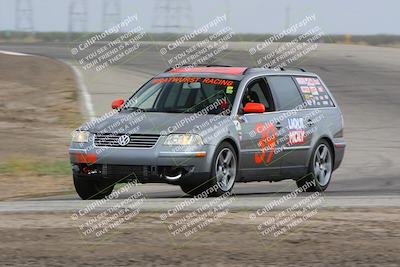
320 168
223 174
191 188
89 189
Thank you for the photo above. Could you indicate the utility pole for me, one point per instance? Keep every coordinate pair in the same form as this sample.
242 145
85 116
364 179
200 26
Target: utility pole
24 16
173 16
228 13
287 17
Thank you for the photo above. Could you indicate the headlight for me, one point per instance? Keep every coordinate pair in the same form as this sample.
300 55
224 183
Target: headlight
183 140
80 136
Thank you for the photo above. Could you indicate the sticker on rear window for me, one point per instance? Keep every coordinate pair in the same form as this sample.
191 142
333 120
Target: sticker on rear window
305 89
301 81
313 92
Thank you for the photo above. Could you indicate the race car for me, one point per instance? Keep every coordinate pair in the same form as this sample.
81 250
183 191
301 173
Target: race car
213 126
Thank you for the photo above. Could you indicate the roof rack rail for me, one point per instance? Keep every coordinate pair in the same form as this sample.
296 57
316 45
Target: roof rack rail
288 68
294 68
275 68
216 65
199 65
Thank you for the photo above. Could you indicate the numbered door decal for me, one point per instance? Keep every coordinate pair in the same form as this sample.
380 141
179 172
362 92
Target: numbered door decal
267 141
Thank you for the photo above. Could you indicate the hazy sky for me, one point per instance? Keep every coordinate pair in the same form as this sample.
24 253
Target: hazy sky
250 16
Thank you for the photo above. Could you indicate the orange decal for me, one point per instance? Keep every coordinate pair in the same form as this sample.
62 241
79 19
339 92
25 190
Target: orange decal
271 141
268 140
218 81
193 80
259 158
176 80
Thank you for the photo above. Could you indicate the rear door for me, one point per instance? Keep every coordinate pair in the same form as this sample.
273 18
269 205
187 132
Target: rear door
259 133
318 109
294 137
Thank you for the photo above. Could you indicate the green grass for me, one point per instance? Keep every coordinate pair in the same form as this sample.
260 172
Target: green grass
15 167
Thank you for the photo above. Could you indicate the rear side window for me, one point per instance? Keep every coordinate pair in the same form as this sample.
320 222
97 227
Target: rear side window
285 91
314 93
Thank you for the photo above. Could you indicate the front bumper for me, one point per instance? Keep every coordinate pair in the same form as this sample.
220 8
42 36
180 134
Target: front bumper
144 164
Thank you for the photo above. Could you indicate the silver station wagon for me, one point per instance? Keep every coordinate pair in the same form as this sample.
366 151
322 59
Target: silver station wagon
206 128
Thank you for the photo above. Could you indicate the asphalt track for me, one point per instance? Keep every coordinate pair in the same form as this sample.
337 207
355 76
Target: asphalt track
365 81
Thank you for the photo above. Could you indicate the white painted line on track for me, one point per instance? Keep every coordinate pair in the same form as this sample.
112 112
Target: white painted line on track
165 204
85 92
81 84
14 53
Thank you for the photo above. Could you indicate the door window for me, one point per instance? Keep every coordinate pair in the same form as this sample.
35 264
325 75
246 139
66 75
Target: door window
258 92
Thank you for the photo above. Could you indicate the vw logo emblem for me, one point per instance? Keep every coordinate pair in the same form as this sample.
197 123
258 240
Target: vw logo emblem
123 140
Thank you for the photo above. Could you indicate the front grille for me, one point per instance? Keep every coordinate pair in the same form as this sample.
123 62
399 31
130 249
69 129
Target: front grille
119 172
123 171
136 140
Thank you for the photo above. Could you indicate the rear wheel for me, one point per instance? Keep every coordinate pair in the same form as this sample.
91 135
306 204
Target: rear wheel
89 189
320 168
192 188
223 174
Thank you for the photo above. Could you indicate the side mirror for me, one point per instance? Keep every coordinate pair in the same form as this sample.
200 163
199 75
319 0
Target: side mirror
254 108
116 104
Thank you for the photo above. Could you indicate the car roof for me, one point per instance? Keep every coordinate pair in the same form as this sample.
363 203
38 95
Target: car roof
220 70
236 73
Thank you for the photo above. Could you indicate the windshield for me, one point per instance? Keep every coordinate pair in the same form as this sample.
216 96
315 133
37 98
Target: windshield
185 95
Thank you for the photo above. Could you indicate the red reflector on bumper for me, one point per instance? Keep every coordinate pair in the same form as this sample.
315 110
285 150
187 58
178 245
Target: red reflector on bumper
85 158
340 145
200 155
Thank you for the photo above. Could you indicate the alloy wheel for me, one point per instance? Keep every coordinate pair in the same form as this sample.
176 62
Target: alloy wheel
322 164
225 169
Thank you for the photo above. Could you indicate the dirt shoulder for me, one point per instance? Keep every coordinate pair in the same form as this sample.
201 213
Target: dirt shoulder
342 237
38 110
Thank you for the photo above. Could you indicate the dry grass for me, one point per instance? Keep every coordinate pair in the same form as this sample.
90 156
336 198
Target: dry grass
39 109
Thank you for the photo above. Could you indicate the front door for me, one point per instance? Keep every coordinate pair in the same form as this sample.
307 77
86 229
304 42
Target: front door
259 135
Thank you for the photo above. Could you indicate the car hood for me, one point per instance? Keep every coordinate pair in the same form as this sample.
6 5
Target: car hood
153 123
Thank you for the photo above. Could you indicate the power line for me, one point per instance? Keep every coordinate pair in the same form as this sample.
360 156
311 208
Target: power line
111 13
24 16
173 16
78 13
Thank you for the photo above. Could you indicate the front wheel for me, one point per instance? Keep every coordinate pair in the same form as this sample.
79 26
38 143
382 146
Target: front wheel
224 169
223 174
89 189
320 169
